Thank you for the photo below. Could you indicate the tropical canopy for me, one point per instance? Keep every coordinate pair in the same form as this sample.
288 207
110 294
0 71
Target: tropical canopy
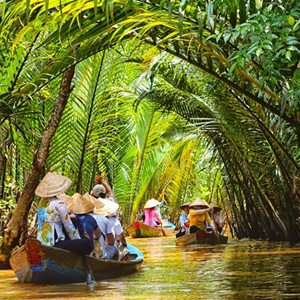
167 99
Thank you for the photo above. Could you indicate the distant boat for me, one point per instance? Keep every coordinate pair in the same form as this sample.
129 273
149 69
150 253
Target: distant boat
201 237
39 264
140 230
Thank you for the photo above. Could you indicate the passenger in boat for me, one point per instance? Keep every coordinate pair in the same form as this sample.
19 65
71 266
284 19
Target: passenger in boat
82 206
103 191
118 233
117 229
108 211
74 217
217 217
151 216
107 239
184 223
53 216
198 215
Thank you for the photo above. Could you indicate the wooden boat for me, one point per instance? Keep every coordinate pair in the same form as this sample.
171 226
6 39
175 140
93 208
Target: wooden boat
201 237
141 230
36 263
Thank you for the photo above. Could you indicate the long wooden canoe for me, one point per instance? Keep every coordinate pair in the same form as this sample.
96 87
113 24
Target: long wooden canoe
36 263
201 237
140 230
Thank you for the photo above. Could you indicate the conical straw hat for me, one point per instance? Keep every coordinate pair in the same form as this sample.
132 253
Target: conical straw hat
90 197
151 203
215 206
67 198
80 204
187 204
98 204
199 202
105 207
52 185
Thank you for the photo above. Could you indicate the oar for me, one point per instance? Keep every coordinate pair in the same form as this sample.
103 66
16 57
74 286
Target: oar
90 279
162 229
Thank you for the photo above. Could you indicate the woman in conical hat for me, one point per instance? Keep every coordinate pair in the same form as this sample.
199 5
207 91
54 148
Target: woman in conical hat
199 217
151 216
74 217
107 208
82 205
53 216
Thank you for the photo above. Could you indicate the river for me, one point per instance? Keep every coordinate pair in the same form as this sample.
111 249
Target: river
238 270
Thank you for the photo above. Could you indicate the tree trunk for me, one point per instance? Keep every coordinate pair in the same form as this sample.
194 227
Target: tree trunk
16 231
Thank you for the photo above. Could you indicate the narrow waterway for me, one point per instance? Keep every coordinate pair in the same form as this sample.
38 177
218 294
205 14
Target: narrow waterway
239 270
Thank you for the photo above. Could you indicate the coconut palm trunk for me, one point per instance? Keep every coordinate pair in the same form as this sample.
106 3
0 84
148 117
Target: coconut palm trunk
16 231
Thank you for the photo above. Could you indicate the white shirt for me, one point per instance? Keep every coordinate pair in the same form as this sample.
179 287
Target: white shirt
106 228
116 226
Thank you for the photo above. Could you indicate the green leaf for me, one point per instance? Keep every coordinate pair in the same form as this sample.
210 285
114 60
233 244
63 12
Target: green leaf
259 52
291 40
235 34
268 47
291 20
227 36
296 26
293 48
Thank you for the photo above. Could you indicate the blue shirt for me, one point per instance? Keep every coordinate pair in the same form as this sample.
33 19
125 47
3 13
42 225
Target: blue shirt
183 219
89 224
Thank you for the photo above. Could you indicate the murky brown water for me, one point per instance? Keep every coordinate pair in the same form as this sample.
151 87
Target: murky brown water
239 270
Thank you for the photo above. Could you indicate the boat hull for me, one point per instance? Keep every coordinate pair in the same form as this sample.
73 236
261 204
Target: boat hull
141 230
35 263
201 237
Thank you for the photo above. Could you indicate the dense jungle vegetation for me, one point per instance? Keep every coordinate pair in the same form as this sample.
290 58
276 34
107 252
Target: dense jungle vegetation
168 99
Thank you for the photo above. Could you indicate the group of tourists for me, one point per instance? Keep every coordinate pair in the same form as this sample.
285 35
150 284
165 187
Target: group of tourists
77 223
199 215
88 224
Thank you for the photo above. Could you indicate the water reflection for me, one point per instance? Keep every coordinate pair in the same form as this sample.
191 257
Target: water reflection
238 270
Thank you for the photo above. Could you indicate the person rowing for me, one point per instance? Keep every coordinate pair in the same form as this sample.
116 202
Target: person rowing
151 216
199 216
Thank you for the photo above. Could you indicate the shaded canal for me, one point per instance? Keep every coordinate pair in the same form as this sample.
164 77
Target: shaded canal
238 270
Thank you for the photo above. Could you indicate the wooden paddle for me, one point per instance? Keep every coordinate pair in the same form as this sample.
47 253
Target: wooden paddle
90 279
162 229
